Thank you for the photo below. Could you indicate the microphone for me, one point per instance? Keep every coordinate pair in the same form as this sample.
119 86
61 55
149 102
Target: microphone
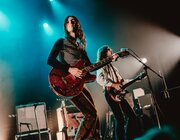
123 52
124 49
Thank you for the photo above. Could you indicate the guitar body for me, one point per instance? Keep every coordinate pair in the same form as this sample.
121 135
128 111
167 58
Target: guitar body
65 84
120 94
117 95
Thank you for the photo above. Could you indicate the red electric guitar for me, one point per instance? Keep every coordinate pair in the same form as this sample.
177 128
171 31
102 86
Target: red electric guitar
65 84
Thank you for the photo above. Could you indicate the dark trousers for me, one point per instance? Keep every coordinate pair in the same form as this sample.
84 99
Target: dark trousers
89 126
120 110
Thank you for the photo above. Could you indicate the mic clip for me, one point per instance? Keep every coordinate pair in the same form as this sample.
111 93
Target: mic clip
123 52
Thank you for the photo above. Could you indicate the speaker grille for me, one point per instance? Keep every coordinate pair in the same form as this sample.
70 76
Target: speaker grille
30 117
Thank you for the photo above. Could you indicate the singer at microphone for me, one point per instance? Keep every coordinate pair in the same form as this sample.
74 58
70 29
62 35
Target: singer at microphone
111 81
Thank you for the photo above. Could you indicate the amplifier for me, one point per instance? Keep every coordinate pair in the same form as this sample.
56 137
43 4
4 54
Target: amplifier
31 117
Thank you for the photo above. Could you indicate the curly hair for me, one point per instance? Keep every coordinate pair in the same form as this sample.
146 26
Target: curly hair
102 52
77 30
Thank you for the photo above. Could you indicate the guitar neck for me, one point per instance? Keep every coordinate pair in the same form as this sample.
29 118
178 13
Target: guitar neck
103 62
98 65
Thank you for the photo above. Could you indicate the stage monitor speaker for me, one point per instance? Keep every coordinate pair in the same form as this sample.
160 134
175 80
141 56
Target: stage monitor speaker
145 103
31 117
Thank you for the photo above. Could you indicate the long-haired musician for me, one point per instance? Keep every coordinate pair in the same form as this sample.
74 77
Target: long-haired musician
65 53
111 80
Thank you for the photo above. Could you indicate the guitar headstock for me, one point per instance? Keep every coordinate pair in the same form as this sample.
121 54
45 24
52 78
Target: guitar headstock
141 75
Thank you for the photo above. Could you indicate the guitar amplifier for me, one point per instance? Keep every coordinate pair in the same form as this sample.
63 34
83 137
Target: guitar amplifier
31 117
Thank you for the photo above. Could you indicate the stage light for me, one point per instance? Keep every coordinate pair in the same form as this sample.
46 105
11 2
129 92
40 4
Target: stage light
4 21
45 25
60 10
51 0
144 60
47 28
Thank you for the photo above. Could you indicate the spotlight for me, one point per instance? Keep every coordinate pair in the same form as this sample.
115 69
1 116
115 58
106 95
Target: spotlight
144 60
47 28
4 21
51 0
45 25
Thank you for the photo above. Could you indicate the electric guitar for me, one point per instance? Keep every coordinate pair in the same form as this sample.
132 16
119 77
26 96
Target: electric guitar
65 84
121 93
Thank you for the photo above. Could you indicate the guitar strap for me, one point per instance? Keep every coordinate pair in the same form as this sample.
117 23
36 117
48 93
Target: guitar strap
62 51
115 73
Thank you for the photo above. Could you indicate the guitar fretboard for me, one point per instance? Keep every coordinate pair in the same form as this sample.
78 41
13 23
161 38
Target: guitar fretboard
98 65
103 62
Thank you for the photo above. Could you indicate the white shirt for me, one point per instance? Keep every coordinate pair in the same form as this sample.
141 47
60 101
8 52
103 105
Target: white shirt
108 75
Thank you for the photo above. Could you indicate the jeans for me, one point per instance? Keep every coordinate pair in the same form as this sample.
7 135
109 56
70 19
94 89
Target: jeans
89 126
120 110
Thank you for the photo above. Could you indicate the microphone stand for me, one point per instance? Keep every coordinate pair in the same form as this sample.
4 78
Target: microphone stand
39 134
166 91
108 128
154 103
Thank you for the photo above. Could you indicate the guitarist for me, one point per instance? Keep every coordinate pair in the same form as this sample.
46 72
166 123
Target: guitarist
111 80
64 54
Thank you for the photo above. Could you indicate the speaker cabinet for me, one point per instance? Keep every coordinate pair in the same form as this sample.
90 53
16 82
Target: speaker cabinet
31 117
146 103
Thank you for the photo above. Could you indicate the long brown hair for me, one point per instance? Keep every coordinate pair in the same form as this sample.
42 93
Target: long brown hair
102 52
77 30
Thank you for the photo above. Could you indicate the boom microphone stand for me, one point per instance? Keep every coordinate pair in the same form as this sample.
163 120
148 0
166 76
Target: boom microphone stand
154 102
